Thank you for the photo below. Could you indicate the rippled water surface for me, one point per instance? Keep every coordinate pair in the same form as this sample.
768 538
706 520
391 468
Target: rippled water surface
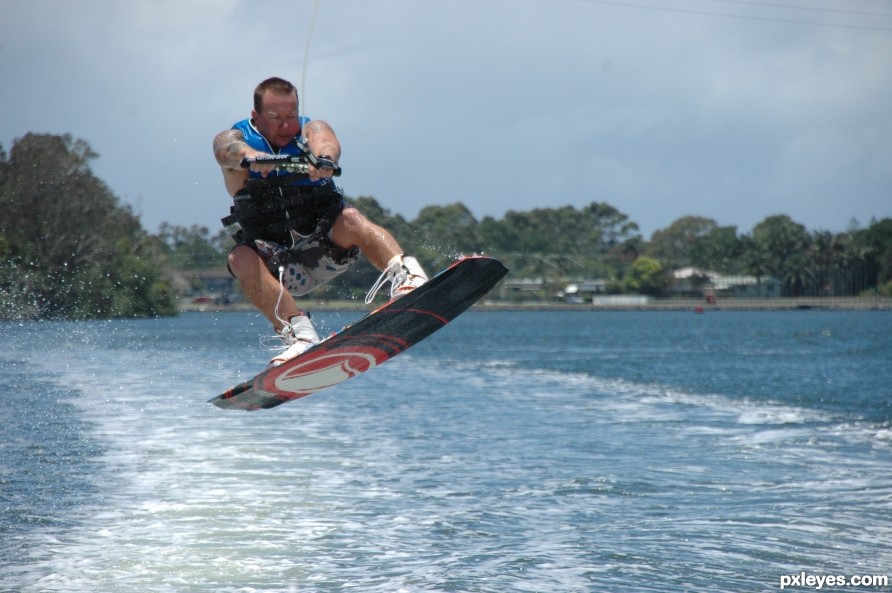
521 451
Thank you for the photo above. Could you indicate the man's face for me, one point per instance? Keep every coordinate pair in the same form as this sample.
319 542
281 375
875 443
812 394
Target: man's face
278 120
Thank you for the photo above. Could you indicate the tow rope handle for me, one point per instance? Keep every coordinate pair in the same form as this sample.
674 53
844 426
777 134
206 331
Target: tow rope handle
293 164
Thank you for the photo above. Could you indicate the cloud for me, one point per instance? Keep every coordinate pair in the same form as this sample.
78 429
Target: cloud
497 104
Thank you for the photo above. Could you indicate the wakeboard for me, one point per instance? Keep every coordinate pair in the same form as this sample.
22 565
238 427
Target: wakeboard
371 341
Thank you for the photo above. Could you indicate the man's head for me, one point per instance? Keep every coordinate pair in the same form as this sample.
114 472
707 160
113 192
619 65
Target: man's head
275 111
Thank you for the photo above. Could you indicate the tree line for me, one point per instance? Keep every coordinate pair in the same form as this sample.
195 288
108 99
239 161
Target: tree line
598 241
70 249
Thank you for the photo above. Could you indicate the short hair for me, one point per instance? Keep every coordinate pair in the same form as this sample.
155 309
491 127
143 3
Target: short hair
276 85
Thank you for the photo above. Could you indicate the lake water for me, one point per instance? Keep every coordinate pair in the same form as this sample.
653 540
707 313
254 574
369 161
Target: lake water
511 451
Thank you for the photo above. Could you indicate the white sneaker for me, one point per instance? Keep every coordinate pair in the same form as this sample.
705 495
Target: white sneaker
404 274
298 336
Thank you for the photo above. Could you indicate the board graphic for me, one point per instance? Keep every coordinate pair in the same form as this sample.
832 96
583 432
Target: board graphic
371 341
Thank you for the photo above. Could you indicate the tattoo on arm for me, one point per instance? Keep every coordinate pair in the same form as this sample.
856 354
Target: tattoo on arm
322 139
228 148
316 126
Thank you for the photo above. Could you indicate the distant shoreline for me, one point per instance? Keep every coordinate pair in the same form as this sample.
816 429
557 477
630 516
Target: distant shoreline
700 306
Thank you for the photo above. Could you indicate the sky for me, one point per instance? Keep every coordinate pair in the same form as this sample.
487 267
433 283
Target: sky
731 110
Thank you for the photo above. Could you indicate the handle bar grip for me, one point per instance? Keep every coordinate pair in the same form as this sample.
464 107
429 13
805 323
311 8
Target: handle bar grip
295 164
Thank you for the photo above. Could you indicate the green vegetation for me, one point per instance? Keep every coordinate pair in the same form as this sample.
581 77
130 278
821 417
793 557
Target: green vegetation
598 241
70 249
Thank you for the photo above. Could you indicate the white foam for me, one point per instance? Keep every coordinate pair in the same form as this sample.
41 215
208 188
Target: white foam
442 474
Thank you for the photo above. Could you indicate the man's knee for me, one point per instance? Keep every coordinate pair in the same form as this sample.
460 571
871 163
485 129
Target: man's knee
352 220
349 228
242 259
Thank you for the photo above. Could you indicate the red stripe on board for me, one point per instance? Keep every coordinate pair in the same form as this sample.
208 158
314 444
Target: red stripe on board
439 318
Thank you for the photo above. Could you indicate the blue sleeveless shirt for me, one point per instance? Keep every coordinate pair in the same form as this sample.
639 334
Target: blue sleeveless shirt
258 141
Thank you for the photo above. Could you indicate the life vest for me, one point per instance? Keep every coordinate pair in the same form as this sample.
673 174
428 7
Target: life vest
271 207
258 141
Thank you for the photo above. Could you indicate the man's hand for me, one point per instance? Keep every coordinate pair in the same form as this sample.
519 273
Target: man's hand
259 167
324 167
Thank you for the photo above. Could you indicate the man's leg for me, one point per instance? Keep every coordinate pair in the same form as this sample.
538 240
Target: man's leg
260 287
351 228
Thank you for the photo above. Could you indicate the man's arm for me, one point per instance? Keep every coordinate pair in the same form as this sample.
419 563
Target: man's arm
229 149
322 142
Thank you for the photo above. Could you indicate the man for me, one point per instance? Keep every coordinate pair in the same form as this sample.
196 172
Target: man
294 232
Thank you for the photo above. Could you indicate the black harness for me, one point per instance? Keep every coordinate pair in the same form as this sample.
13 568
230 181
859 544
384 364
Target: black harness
271 208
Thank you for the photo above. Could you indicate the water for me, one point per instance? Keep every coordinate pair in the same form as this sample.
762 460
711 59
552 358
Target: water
512 451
